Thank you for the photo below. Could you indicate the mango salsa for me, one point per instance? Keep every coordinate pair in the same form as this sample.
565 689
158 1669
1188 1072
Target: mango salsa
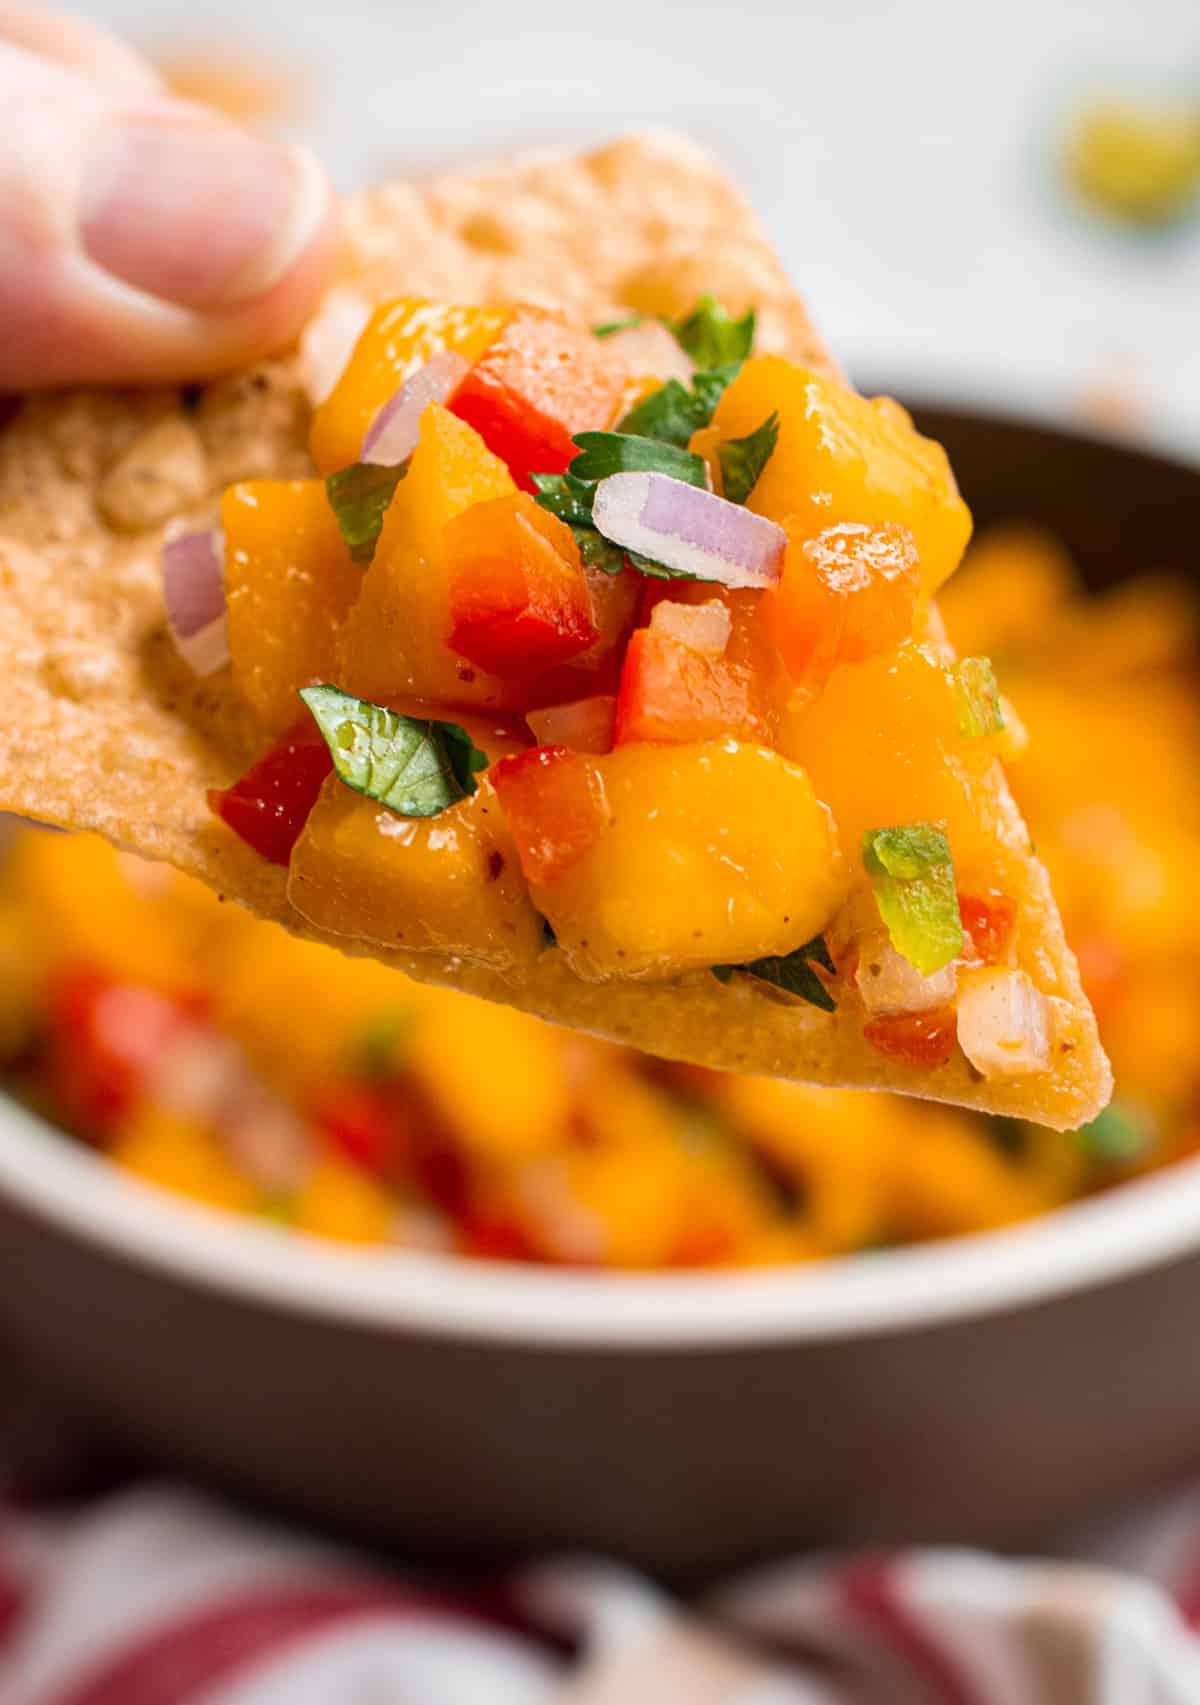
712 854
713 616
389 1114
341 1202
841 457
882 745
289 583
447 884
180 1153
398 338
395 641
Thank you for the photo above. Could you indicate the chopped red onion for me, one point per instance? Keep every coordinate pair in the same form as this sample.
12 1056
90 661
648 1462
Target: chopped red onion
328 341
193 566
266 1139
889 984
197 1072
689 530
392 435
1005 1024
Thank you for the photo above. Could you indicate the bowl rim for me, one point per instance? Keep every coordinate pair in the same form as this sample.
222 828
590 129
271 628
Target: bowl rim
1142 1224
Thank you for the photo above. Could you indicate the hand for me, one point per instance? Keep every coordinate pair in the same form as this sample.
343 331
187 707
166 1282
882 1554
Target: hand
142 238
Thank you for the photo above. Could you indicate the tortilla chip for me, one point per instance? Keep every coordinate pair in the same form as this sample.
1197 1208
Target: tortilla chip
105 728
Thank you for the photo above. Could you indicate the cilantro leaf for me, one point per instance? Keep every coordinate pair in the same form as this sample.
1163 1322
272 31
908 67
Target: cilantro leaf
978 698
792 973
674 412
415 768
711 383
743 459
912 876
571 500
605 453
610 326
462 754
358 496
595 551
711 336
568 498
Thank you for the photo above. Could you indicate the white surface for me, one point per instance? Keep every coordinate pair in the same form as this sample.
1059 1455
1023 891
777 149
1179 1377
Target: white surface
897 151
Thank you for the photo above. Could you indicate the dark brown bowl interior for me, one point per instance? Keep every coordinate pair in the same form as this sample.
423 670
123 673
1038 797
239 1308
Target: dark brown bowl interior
1118 509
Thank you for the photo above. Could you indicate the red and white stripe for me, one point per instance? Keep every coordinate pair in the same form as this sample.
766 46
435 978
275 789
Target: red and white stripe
159 1597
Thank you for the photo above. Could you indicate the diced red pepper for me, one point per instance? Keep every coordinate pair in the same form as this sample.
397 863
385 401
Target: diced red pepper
519 602
555 808
670 692
597 670
365 1126
441 1170
585 725
493 1237
988 920
540 382
269 805
916 1038
844 596
105 1038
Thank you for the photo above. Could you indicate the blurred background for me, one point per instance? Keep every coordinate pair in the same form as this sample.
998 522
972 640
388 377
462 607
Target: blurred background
990 211
904 158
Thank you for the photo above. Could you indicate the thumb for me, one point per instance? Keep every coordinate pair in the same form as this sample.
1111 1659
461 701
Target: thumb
143 239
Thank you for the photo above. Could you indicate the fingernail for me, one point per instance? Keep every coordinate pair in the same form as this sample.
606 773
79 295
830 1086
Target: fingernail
198 214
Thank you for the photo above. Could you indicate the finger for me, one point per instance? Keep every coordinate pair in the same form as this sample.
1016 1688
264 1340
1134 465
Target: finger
143 239
74 42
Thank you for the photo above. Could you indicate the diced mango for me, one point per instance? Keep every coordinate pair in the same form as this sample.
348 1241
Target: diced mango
397 339
639 1216
465 1060
713 854
339 1201
951 1183
395 642
178 1153
837 1146
93 912
842 457
298 1010
289 583
444 884
883 747
845 595
542 381
519 599
1017 587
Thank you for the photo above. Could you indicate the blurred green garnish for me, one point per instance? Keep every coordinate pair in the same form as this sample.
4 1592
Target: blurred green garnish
1120 1136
